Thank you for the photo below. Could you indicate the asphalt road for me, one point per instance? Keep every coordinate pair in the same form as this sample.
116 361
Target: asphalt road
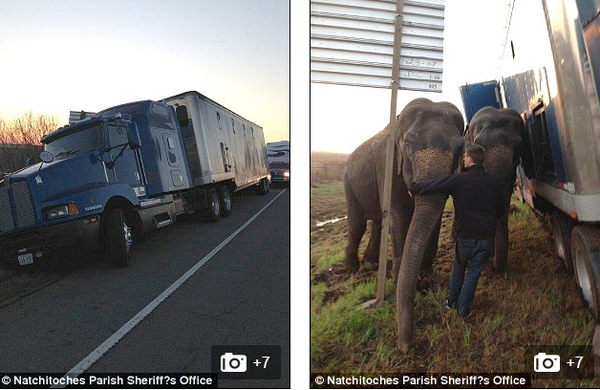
241 295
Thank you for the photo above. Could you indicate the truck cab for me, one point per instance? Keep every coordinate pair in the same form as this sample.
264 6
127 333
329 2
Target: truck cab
92 189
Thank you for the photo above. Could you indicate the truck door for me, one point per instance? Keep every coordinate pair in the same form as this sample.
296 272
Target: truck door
174 158
125 167
226 155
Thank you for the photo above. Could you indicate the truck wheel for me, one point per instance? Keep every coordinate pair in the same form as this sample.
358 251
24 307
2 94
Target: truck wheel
214 205
225 200
562 228
118 237
585 249
263 187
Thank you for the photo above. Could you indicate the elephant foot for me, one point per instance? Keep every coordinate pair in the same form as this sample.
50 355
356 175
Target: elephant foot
426 272
370 257
352 265
499 265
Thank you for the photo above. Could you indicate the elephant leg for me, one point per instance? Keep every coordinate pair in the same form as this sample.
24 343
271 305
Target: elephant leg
501 247
431 251
372 253
399 230
357 225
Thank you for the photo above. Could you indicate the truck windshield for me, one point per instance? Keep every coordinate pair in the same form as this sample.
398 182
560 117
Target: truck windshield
81 139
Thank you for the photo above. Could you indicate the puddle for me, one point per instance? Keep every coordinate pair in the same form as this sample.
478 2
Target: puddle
321 224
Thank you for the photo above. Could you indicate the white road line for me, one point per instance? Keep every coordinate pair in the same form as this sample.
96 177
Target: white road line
93 357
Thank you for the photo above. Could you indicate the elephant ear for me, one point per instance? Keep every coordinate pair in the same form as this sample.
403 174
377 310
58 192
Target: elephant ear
399 158
398 136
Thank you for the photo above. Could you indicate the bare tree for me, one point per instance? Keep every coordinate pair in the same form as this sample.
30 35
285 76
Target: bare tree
20 140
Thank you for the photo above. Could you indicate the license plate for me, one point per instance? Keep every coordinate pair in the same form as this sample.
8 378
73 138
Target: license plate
26 259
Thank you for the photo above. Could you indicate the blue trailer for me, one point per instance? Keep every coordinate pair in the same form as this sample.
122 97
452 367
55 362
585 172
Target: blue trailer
550 73
103 182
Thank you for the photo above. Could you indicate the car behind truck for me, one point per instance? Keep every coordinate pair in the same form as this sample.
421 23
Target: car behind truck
551 76
103 182
278 156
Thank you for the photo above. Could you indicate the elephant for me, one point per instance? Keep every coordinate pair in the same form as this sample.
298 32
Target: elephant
428 144
501 132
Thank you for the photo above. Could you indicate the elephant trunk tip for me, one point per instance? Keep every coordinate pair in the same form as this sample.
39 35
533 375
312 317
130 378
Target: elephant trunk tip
404 346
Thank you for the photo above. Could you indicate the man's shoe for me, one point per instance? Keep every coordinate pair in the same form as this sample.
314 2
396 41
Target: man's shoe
446 305
466 318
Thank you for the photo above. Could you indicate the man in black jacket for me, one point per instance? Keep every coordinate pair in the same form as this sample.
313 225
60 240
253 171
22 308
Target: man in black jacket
478 203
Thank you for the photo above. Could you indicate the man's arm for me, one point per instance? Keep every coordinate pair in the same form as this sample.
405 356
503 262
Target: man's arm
445 185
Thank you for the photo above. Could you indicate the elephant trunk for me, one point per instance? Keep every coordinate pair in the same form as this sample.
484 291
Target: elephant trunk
427 213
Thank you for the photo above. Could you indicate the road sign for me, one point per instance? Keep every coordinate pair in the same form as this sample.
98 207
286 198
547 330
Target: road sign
352 43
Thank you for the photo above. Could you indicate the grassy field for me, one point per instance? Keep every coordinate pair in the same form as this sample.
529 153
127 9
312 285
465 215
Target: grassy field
534 303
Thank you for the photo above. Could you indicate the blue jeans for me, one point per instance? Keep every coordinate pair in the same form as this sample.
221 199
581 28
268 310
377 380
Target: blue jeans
471 255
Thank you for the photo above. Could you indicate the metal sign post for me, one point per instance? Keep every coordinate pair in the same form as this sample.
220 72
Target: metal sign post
350 45
389 164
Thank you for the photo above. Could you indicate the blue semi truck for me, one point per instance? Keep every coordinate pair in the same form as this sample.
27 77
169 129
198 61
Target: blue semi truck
104 182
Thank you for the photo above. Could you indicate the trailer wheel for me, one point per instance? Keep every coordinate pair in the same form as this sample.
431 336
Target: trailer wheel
225 200
214 205
118 237
562 228
263 187
585 249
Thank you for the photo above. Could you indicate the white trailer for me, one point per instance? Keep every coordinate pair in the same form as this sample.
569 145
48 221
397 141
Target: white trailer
550 73
220 144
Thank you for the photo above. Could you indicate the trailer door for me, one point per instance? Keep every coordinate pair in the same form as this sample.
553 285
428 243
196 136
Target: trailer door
479 95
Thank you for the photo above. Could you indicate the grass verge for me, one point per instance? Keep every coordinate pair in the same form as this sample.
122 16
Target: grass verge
534 303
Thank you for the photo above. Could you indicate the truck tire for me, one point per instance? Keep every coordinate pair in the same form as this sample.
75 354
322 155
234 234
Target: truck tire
214 205
118 237
562 227
585 249
263 187
225 201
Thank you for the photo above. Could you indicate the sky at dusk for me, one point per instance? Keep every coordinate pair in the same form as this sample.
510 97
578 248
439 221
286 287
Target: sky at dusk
89 55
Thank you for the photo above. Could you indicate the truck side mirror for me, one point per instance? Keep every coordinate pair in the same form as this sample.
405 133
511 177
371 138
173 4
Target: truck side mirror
46 157
182 116
133 136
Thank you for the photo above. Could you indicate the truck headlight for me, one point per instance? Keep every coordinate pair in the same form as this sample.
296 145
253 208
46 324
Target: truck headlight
62 211
286 174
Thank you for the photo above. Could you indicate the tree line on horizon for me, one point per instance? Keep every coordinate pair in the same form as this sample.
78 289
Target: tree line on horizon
20 139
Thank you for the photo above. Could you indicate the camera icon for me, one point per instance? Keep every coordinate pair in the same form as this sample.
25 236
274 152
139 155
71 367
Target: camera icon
233 363
546 363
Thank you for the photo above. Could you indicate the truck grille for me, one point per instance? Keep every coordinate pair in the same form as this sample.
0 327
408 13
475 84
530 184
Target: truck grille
6 217
16 207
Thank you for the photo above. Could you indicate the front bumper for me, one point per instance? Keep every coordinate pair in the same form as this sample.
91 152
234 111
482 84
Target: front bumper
279 177
76 234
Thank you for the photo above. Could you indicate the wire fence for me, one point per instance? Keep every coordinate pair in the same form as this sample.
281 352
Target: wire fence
327 173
